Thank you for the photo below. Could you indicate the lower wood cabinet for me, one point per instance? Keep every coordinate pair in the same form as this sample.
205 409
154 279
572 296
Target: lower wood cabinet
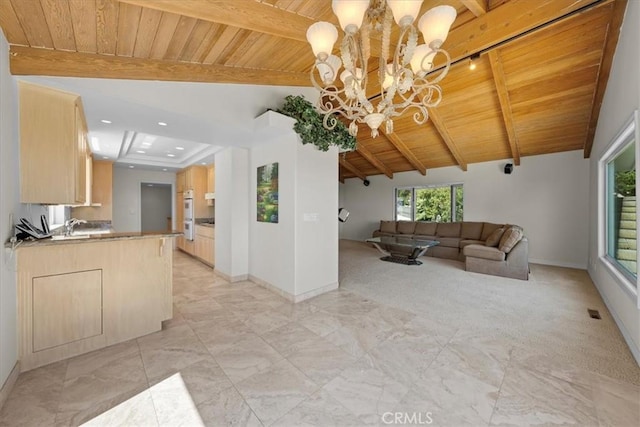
81 296
66 308
205 244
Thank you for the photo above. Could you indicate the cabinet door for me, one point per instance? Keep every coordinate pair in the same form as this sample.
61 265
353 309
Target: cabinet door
80 157
180 182
66 308
189 247
211 179
188 179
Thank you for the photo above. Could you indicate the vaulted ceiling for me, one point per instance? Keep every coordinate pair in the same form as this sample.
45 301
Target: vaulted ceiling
540 78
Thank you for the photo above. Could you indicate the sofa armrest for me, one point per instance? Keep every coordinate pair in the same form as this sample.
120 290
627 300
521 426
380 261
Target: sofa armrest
518 257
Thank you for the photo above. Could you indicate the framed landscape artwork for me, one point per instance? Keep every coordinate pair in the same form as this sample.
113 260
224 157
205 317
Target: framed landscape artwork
267 197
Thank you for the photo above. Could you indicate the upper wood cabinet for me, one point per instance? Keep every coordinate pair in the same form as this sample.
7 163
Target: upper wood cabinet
53 146
101 208
211 179
180 182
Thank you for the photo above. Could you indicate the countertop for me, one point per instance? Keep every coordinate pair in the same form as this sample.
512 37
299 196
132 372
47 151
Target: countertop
97 238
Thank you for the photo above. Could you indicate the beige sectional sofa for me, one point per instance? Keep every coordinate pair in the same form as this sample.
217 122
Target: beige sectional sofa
505 254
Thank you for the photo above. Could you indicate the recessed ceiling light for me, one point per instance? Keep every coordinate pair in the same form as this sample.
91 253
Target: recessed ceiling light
179 148
149 185
162 123
131 167
106 121
203 163
140 151
165 169
146 144
105 157
171 155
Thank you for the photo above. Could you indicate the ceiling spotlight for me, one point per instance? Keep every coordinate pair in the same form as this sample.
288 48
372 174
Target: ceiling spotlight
106 121
171 155
165 169
179 148
105 157
203 163
131 167
162 123
140 151
472 61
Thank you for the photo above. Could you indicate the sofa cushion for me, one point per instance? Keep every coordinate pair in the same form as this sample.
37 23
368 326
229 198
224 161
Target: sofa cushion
448 242
467 242
471 230
489 228
510 238
406 227
388 226
426 228
494 238
424 237
448 229
484 252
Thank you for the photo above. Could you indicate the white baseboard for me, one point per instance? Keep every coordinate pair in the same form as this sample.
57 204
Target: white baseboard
579 266
232 279
635 351
293 298
9 383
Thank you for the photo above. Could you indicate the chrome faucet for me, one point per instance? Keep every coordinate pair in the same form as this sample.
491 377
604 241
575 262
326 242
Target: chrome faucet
70 223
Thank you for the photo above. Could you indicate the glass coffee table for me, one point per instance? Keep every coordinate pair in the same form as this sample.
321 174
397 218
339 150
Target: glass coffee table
402 250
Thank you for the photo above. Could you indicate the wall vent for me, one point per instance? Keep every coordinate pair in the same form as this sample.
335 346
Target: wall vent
594 314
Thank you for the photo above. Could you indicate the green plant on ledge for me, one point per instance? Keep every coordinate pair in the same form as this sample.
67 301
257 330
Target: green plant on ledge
310 128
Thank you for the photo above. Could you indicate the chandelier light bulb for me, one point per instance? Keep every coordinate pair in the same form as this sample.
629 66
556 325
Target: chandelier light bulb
388 77
422 61
435 23
321 36
472 64
329 69
350 13
405 11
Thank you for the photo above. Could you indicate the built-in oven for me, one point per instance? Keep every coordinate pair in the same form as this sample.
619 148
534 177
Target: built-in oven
188 215
188 230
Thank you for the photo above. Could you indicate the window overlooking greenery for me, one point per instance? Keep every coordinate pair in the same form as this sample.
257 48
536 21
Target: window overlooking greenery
434 204
617 240
621 210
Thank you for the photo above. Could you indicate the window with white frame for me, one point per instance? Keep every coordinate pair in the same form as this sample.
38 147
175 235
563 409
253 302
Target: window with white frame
618 220
438 203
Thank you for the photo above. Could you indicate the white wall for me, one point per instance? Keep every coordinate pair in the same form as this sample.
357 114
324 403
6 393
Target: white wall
232 213
548 195
622 97
156 206
316 218
273 246
9 204
126 195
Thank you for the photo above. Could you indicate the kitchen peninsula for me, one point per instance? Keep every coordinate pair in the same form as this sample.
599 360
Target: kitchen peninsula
76 296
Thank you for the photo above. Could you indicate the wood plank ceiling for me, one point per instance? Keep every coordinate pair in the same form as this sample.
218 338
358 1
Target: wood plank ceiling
541 66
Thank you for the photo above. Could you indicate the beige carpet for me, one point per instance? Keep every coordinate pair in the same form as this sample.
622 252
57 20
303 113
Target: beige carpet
545 318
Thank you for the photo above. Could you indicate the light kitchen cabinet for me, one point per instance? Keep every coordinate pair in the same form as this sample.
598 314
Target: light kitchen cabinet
180 219
77 297
53 146
101 208
211 182
180 182
205 244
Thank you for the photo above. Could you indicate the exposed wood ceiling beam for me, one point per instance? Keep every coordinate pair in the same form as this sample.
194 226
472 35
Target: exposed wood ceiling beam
505 23
371 158
46 62
405 151
613 33
505 103
247 14
348 166
477 7
446 137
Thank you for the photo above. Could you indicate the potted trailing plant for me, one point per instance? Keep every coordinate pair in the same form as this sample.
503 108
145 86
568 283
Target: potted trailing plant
310 128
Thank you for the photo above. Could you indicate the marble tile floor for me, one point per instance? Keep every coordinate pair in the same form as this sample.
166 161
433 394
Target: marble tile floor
237 354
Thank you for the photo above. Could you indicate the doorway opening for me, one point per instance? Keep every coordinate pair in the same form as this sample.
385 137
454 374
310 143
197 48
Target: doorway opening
155 207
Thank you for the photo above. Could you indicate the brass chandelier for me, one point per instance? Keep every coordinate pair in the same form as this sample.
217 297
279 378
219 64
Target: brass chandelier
405 77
